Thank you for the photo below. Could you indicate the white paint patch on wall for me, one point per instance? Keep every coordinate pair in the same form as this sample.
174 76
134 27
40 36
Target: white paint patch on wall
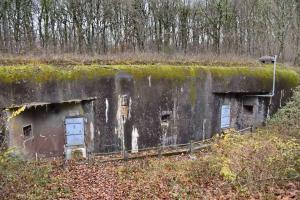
92 131
149 81
106 110
119 130
134 140
174 110
129 109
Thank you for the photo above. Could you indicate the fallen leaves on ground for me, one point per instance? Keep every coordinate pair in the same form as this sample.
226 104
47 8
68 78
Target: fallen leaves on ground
147 179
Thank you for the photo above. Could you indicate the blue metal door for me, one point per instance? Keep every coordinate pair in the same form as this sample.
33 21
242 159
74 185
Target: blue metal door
225 116
74 131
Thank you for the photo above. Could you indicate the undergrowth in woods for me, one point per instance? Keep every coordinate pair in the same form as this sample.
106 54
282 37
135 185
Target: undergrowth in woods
235 167
129 59
27 180
287 119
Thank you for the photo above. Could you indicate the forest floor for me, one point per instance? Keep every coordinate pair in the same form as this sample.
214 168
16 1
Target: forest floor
261 165
174 177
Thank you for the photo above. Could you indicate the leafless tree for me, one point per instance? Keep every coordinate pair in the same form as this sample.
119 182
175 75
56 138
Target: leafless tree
249 27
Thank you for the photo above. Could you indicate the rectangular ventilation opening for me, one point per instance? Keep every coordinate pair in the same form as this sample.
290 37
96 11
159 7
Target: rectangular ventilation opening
248 118
165 117
124 100
248 109
27 131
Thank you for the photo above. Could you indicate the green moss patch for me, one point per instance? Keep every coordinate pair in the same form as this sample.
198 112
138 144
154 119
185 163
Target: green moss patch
265 74
161 71
289 77
44 73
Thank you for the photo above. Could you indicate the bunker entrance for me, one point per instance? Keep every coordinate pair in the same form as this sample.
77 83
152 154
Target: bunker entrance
240 111
225 116
74 131
75 134
247 119
249 111
50 129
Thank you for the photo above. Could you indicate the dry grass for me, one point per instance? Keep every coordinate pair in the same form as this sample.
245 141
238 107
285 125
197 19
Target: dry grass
130 58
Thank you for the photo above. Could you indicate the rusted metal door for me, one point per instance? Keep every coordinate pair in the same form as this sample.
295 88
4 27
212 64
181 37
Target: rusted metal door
74 131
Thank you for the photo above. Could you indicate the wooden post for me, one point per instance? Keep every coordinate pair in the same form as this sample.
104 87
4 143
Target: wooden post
89 154
125 155
191 146
253 129
160 151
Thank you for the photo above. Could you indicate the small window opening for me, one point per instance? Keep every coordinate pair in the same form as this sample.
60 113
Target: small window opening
166 116
27 131
248 109
124 100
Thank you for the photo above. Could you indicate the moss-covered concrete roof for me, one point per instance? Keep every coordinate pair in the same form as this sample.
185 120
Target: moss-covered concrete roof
44 73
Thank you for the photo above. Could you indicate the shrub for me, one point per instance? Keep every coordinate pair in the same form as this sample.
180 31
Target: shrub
287 119
252 162
22 179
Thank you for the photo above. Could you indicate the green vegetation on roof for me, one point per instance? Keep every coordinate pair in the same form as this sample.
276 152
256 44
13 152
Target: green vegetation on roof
44 73
265 74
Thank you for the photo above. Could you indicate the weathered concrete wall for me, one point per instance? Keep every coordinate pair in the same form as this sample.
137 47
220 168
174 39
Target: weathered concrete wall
246 111
48 131
161 109
3 136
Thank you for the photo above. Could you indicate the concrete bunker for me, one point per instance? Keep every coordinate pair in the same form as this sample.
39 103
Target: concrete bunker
51 129
127 111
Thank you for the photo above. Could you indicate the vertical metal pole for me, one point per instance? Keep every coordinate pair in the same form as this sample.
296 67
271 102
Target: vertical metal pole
273 89
159 151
